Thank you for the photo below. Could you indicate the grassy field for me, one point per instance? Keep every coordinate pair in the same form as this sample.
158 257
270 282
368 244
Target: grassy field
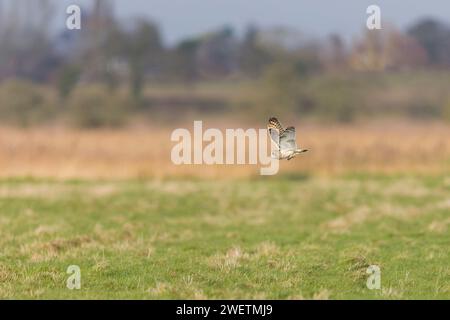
287 236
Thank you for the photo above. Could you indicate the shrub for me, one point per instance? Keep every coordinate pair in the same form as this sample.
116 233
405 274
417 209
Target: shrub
24 103
67 80
279 88
446 111
336 99
94 106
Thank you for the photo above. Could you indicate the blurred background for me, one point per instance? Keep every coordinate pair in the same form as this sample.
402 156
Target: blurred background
102 101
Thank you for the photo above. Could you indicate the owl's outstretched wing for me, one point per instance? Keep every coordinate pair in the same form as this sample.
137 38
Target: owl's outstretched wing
275 130
288 140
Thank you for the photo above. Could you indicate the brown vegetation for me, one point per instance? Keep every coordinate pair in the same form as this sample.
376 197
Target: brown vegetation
145 152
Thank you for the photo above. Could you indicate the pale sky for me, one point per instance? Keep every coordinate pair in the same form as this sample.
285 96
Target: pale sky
181 18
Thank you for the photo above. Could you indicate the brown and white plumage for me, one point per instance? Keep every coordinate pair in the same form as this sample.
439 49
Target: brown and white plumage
275 124
285 139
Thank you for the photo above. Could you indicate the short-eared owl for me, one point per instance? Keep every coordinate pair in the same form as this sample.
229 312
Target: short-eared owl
284 139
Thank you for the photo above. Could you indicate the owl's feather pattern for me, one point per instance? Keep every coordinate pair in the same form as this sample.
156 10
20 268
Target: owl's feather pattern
275 124
285 139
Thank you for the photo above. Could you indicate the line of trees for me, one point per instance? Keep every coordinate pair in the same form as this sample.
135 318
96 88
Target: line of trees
99 73
111 52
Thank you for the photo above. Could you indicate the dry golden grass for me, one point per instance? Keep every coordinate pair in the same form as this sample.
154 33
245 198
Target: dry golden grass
145 152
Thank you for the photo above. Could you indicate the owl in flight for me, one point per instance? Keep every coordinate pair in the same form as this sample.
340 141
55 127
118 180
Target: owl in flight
284 140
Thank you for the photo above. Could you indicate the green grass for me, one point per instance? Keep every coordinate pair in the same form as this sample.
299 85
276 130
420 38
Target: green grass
274 238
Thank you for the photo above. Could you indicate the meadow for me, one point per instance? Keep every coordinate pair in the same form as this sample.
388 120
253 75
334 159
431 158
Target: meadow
111 202
285 237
